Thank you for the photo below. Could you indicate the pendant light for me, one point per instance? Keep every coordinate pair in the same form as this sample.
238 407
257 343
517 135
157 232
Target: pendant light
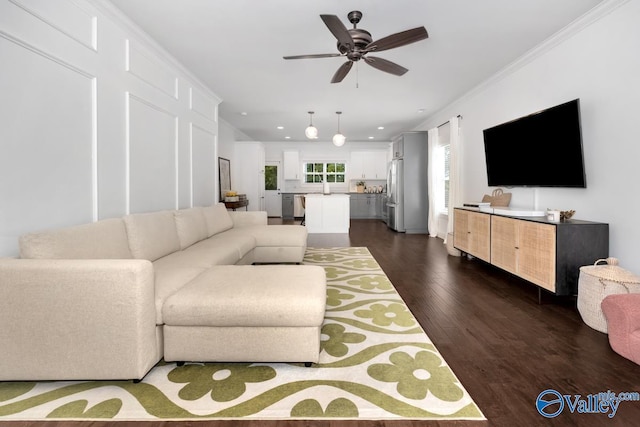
311 132
338 138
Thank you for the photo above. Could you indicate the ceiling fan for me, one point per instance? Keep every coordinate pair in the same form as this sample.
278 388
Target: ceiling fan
356 44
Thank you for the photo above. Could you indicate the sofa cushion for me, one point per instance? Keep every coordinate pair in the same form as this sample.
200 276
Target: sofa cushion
275 235
259 296
191 226
223 248
170 277
217 218
152 235
106 239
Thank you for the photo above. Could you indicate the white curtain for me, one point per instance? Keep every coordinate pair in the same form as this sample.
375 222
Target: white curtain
454 170
433 165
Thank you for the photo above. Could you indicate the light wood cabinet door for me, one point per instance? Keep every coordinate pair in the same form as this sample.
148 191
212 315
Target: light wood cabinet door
526 249
461 230
480 232
537 253
504 243
472 233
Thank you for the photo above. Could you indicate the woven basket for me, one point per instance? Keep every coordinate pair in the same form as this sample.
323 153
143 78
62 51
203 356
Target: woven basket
598 281
498 198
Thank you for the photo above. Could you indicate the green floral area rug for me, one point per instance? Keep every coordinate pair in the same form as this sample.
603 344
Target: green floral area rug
376 362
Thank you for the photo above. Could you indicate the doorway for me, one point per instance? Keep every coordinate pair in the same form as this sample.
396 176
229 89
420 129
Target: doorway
272 180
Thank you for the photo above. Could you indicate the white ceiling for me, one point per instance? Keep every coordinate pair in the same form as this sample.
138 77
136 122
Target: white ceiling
236 48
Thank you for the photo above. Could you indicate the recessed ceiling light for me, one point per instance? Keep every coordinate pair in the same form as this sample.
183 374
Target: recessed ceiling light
370 137
420 110
244 113
380 127
287 137
280 127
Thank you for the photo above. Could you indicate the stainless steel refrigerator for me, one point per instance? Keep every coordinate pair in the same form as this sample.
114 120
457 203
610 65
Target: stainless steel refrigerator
407 198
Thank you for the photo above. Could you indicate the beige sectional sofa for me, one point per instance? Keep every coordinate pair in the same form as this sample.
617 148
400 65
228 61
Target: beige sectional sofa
86 302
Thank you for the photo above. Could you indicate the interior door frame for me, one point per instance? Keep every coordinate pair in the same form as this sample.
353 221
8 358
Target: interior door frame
269 195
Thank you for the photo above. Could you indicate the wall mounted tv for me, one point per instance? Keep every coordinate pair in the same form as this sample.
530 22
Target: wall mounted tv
543 149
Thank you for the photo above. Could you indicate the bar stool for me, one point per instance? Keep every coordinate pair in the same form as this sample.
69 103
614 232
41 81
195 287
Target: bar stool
304 215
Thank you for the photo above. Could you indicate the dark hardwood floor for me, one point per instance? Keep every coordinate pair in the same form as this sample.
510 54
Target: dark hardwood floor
503 345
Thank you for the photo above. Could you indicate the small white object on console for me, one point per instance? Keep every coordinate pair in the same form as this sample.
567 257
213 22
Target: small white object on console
518 211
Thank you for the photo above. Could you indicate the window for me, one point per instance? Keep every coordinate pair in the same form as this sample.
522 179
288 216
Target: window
270 177
447 155
441 169
335 172
324 172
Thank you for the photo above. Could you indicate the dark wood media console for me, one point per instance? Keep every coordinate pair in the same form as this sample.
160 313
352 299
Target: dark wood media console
547 254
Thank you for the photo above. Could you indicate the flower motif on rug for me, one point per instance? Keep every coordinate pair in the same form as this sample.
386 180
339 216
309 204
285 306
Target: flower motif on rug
372 281
356 251
417 376
334 273
338 408
336 344
362 264
325 257
385 315
225 381
335 297
78 409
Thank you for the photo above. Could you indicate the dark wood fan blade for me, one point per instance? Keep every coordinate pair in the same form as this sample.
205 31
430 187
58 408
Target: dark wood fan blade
398 39
319 55
384 65
338 29
342 72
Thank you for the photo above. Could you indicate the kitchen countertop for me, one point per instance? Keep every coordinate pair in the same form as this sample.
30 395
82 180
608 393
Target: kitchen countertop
310 193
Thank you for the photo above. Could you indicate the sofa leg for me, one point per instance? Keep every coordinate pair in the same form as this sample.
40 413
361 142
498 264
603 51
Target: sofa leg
308 364
180 363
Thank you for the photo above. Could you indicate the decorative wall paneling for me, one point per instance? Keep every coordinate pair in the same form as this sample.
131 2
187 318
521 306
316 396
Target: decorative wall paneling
200 103
96 120
203 177
152 147
48 156
150 70
65 17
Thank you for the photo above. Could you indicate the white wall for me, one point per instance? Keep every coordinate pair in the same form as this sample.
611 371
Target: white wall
96 120
597 61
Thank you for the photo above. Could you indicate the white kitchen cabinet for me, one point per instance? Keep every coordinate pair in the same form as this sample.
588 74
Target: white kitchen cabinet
291 165
368 165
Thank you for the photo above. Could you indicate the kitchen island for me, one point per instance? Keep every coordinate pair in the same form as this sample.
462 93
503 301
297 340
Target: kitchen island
327 213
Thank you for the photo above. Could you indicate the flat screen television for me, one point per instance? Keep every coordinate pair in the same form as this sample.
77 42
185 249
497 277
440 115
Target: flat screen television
543 149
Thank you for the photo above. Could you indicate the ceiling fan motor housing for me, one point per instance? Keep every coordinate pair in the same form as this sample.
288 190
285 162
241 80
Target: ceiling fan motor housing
361 38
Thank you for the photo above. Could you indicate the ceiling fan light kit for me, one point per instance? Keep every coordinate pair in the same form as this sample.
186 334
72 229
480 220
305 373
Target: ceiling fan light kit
311 131
355 43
